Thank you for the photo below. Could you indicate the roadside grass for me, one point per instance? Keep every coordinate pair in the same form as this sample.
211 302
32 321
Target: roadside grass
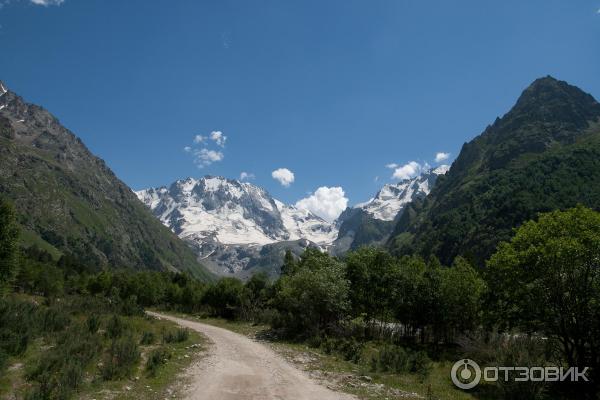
165 351
166 381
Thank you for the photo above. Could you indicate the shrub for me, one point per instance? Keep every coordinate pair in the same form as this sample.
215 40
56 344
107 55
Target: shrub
157 358
61 368
115 327
349 348
3 360
177 336
120 359
396 359
93 323
148 337
493 349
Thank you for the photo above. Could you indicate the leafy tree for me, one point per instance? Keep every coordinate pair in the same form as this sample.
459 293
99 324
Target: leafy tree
9 235
374 277
315 297
225 297
461 292
547 278
289 263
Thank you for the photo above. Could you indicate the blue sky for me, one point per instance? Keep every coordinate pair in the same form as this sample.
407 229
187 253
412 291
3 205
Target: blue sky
333 91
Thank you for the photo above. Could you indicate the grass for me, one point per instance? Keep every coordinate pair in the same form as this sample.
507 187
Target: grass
162 381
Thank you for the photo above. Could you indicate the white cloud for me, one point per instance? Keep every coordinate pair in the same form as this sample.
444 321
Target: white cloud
326 202
218 138
205 157
392 166
199 139
47 3
439 157
407 171
598 12
283 176
187 149
244 176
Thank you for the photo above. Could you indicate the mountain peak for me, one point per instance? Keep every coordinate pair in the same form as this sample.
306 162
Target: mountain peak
548 99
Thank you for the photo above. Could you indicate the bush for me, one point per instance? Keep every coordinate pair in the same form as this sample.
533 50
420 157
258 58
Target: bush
349 348
61 368
120 359
93 323
115 327
147 338
177 336
396 359
493 349
157 358
3 360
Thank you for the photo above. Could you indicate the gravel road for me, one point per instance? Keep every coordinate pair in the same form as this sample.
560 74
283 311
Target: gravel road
239 368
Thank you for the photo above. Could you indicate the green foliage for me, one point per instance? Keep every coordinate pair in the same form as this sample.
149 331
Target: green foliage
543 155
397 359
461 290
148 337
422 297
115 328
374 276
99 222
93 323
60 370
120 358
289 263
225 297
349 347
547 279
9 235
156 359
176 336
495 349
315 297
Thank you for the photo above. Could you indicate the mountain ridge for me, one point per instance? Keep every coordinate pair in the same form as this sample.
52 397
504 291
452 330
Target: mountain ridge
542 155
70 202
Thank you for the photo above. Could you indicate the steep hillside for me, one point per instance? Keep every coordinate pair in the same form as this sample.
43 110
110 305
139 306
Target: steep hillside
544 154
69 201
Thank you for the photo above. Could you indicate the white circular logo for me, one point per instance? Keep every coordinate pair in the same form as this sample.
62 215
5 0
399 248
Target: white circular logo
465 374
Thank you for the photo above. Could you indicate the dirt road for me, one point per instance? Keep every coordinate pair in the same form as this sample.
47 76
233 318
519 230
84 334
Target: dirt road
240 368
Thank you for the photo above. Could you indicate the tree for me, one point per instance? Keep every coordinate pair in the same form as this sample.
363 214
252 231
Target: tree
374 276
314 297
289 263
225 297
9 235
461 291
547 279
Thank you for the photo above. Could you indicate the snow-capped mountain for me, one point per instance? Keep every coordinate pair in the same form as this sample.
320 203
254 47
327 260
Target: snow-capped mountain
392 198
373 221
236 227
232 212
225 219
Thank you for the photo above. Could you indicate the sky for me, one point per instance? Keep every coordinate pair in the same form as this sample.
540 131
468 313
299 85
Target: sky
320 102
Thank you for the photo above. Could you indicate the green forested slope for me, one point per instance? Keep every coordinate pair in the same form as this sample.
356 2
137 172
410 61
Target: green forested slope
69 201
544 154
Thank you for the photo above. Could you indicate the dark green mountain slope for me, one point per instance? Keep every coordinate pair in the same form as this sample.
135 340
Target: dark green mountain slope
69 201
544 154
